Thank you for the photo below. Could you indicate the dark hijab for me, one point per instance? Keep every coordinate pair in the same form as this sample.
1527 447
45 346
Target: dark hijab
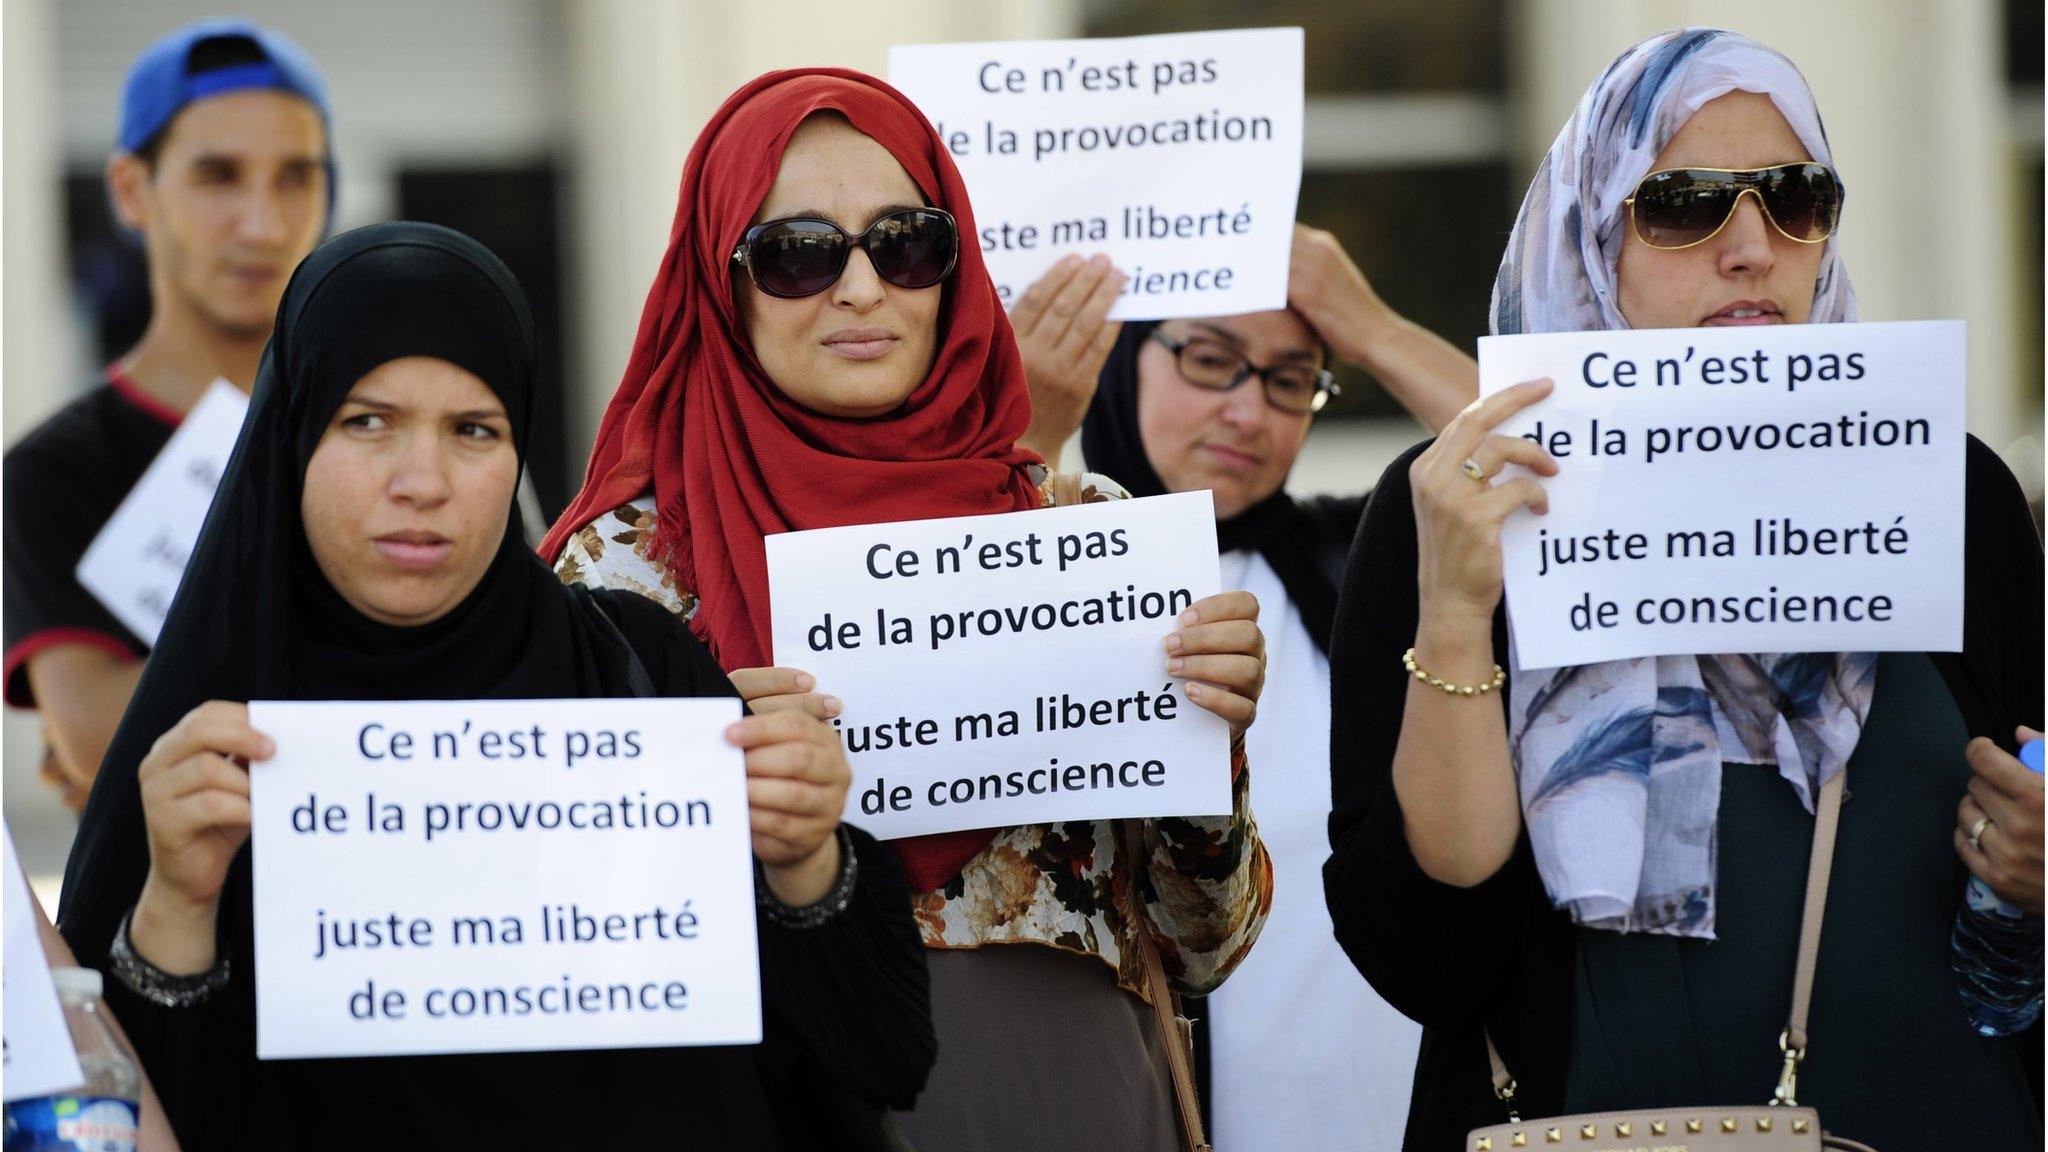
255 618
1304 541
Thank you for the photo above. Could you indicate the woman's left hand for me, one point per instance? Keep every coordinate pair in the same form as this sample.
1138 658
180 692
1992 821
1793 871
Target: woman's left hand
1221 653
2008 852
797 777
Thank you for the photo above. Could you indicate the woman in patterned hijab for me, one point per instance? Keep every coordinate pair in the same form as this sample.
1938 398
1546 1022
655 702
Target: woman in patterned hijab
1632 848
1606 876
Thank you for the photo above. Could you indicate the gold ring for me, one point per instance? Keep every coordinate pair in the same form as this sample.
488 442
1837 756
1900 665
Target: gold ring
1471 468
1977 831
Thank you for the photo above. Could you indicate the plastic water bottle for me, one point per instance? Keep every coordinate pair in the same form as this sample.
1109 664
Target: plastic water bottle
1997 952
101 1116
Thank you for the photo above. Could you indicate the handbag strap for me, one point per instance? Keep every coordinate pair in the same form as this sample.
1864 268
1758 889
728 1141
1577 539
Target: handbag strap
1173 1027
638 681
1827 818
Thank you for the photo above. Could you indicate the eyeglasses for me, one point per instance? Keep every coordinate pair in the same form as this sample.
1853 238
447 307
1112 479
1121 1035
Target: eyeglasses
803 256
1217 367
1681 207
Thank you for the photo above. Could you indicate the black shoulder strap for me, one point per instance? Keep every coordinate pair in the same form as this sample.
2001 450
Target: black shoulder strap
637 678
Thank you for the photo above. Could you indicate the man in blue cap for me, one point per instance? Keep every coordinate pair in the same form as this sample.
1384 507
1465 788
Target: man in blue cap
224 171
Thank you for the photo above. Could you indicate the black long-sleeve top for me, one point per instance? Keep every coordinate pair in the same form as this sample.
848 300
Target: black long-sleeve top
1496 958
847 1033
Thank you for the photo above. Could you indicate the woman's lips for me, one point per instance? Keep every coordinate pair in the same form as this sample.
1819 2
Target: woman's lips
414 552
861 343
1231 457
1745 314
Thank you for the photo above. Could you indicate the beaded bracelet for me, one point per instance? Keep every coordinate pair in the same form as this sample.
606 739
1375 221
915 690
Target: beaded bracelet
154 984
1500 677
828 906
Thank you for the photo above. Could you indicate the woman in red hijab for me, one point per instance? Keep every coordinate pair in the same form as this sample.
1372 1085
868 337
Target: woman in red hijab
785 379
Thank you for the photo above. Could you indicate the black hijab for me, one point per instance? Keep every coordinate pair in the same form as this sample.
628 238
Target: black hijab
254 617
1304 541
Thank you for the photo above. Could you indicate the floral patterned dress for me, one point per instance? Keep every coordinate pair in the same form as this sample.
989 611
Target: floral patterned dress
1206 882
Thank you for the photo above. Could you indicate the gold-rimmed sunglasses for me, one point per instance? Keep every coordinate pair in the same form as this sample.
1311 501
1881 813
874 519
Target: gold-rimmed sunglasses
1214 366
1680 207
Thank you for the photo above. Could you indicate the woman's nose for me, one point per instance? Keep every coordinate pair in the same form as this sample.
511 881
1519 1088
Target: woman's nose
1744 246
860 287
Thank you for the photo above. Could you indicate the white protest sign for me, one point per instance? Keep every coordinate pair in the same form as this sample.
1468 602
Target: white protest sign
1008 669
1769 489
134 564
38 1059
496 876
1178 156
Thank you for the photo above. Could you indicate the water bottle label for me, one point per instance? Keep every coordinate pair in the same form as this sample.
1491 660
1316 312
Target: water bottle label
72 1124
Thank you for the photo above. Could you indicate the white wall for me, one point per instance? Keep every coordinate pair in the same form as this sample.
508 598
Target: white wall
451 80
40 348
42 340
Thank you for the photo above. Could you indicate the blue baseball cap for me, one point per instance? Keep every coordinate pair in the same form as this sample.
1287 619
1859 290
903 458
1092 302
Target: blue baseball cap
160 82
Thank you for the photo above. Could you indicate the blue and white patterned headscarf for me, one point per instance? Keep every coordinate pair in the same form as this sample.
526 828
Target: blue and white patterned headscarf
1558 273
1620 763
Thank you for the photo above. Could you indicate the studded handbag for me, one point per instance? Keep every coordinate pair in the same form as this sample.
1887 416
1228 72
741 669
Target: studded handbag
1779 1126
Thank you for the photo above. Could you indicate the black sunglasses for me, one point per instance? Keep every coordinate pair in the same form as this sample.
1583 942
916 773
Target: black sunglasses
803 255
1681 207
1214 366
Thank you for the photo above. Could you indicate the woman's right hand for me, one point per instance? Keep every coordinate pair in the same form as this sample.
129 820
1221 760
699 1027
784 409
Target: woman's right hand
1459 806
195 801
768 690
1458 518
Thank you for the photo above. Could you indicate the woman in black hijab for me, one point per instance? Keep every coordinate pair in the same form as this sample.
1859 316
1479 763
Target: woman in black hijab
364 545
1300 1053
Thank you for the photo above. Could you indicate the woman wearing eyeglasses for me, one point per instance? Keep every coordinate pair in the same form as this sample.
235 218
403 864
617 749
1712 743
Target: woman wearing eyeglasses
1606 876
1300 1053
819 349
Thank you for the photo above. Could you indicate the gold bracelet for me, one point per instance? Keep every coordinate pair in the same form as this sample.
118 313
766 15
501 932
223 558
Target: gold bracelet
1500 677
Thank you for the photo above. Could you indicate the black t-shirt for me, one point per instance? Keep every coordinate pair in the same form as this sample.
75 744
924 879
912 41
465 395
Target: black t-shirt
63 483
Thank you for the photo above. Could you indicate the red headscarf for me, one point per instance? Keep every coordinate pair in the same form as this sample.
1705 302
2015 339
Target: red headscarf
731 459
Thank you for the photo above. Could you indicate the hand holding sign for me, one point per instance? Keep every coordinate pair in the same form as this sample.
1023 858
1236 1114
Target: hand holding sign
768 690
781 799
1458 515
195 802
796 788
1221 653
